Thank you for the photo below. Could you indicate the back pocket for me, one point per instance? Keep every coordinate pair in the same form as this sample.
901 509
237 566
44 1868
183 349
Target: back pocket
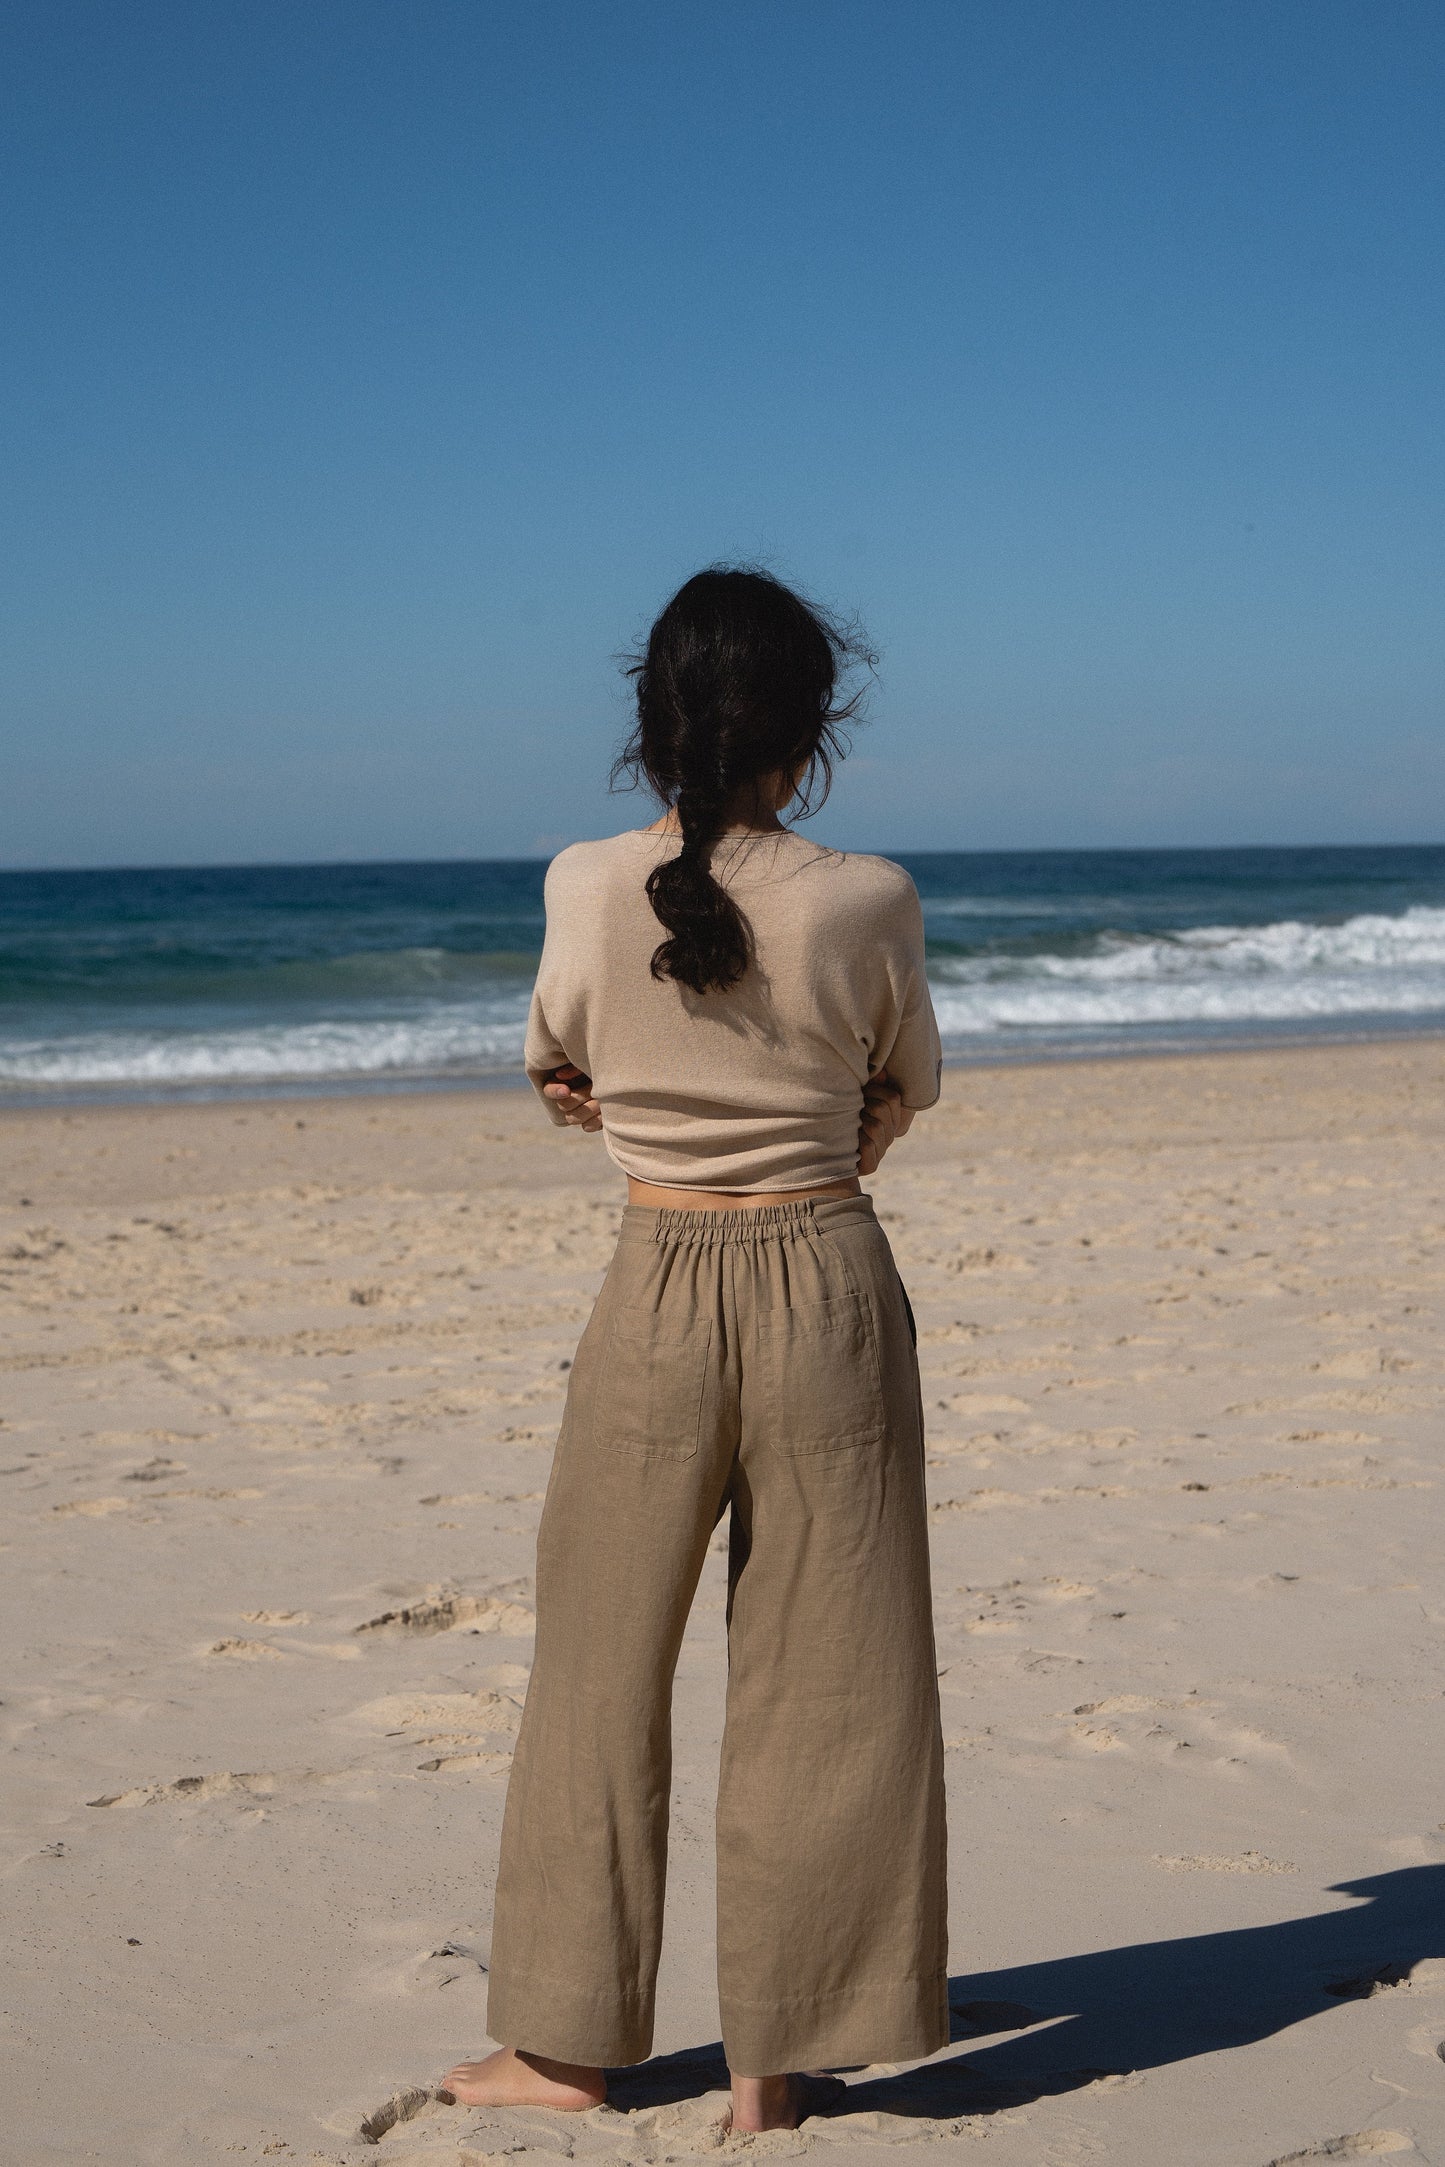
649 1395
819 1371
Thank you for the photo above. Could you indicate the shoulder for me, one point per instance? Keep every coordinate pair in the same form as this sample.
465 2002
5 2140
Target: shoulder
880 879
584 868
855 881
850 911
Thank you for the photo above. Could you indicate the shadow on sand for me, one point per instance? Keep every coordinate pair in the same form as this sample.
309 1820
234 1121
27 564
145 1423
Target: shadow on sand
1119 2010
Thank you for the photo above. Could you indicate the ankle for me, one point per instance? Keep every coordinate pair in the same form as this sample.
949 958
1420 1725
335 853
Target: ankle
760 2102
558 2072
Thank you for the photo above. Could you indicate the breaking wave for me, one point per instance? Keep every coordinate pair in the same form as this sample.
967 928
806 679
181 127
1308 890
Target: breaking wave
456 1040
1289 972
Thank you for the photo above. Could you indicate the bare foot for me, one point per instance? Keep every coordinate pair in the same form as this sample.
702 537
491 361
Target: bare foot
780 2102
510 2078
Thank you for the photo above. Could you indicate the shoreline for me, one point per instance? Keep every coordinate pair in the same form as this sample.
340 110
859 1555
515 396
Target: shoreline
251 1091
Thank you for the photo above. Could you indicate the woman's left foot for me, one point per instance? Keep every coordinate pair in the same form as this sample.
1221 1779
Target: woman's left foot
510 2078
761 2103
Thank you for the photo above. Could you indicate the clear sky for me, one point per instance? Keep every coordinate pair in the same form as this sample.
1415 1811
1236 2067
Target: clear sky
372 370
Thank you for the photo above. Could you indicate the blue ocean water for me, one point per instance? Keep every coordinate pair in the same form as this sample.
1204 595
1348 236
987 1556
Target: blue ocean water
298 977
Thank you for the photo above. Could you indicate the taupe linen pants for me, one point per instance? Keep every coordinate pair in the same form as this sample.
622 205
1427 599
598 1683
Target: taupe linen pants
761 1358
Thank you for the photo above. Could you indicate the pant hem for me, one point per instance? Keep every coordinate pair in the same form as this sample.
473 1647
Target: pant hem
887 2021
536 2015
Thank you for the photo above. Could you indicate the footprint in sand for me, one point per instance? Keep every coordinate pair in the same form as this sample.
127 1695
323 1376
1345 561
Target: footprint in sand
466 1948
477 1713
241 1649
1364 2144
192 1787
1364 1362
686 2127
1331 1437
403 2106
474 1725
442 1611
486 1497
1135 1704
478 1763
224 1783
984 1403
1244 1862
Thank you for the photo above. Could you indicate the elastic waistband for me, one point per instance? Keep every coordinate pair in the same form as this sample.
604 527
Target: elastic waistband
744 1223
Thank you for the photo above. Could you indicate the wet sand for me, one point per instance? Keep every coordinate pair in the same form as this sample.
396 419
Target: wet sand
279 1384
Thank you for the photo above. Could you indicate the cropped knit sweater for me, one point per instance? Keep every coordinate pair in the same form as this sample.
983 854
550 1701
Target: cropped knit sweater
760 1087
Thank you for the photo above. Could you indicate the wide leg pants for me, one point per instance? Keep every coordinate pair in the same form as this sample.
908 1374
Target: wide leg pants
763 1359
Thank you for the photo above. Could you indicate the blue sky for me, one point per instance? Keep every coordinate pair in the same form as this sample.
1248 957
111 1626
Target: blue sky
374 370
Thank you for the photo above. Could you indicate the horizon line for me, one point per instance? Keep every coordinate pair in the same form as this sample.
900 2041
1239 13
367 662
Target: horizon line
538 857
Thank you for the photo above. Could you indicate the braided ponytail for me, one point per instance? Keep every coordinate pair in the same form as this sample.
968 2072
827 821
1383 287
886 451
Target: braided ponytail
736 684
709 944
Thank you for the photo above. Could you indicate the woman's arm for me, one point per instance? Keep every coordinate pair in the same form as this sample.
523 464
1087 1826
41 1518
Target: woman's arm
885 1118
557 1017
907 1049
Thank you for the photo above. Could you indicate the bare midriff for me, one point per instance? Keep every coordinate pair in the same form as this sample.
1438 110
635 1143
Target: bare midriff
655 1198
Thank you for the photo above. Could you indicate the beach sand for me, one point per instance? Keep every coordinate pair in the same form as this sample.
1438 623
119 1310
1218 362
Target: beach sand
279 1387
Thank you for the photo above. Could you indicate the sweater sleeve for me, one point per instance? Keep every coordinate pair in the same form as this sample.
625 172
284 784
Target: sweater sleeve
555 1014
544 1053
914 1059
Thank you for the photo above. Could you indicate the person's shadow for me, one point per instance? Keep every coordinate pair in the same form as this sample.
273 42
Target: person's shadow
1118 2010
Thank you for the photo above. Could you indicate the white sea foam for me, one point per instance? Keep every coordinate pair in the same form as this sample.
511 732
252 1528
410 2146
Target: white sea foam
1292 971
455 1038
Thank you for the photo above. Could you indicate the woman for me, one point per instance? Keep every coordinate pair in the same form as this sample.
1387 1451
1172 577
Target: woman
751 1348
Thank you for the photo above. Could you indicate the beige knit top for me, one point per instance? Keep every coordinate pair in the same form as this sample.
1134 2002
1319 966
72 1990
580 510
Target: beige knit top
760 1087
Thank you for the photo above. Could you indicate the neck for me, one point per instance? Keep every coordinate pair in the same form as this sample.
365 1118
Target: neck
748 819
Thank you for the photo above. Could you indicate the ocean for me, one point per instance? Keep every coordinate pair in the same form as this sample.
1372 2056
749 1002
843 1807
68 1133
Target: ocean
261 979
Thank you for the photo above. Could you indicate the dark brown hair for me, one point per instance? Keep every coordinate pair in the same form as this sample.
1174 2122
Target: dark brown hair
739 680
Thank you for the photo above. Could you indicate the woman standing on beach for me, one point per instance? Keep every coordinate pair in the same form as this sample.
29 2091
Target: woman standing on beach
751 1348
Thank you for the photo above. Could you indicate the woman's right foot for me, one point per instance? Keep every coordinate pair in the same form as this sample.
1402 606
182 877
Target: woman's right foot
780 2102
510 2078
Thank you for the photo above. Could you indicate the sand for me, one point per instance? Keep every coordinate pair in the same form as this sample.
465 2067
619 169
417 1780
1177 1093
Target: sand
279 1384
